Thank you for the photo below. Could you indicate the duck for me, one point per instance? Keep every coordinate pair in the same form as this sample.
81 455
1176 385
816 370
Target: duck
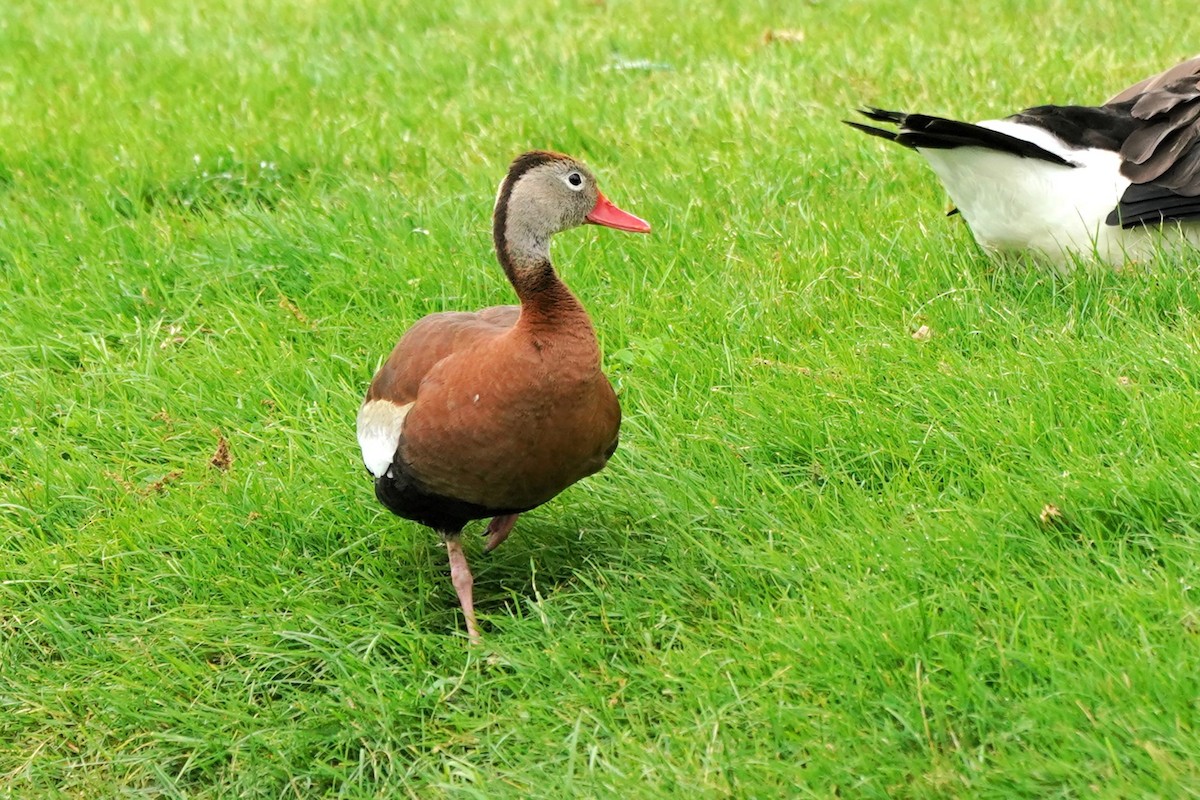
489 414
1116 182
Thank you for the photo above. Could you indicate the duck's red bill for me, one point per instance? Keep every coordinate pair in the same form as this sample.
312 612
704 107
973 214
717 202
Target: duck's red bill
608 215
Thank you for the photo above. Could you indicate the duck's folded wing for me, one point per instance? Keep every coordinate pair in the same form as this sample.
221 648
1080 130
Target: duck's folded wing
393 392
430 340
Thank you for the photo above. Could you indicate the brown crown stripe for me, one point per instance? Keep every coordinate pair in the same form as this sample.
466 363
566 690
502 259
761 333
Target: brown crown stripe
520 165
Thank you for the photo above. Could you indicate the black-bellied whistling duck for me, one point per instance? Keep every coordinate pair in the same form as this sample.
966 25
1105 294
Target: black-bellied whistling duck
1116 181
491 413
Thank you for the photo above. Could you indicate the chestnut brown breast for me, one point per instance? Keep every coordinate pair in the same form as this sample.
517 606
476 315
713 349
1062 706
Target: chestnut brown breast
504 417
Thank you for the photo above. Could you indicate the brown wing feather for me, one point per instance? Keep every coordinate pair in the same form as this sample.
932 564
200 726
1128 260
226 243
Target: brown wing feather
1164 152
430 340
1161 158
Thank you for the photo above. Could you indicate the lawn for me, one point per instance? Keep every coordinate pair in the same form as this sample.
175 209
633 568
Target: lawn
832 558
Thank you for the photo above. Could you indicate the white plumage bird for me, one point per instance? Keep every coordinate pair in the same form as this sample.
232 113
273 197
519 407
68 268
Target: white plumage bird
1116 181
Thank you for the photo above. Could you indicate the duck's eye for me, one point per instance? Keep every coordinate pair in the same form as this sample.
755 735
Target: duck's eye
575 180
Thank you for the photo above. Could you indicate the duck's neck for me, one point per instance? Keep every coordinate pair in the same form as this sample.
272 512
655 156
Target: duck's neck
545 299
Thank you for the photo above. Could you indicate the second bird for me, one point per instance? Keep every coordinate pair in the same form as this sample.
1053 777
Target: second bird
1118 181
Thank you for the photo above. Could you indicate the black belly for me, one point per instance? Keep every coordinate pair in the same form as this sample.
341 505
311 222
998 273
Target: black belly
403 495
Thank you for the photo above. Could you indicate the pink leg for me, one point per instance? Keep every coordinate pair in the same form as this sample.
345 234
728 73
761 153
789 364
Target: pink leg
460 576
498 530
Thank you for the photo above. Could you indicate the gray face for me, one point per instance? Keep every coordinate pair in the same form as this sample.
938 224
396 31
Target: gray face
550 198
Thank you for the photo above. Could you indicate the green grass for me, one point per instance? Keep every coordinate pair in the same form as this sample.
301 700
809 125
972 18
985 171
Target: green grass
817 566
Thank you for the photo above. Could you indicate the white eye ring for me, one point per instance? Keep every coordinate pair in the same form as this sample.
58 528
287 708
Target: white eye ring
574 180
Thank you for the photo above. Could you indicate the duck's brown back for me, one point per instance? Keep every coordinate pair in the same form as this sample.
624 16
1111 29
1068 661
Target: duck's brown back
431 339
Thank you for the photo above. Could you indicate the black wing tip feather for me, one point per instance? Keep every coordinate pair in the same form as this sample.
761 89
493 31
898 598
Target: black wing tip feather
872 131
882 114
1154 214
939 133
879 115
1151 205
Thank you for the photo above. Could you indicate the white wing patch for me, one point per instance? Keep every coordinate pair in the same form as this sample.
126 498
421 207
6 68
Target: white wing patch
379 425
